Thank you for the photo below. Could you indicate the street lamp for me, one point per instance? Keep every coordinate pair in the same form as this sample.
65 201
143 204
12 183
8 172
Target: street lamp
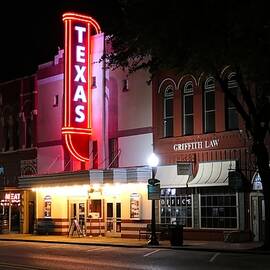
153 162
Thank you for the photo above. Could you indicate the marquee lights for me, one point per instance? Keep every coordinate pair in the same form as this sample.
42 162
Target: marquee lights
77 129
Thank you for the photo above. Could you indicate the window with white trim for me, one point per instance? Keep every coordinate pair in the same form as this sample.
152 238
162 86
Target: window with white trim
168 112
231 111
176 206
188 108
209 105
218 210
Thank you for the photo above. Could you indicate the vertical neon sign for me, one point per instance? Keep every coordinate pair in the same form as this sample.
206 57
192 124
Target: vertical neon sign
77 129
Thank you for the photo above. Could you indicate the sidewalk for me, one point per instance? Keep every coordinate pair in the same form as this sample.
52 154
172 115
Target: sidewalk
247 247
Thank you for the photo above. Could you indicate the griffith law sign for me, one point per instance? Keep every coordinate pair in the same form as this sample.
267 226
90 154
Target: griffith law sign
207 144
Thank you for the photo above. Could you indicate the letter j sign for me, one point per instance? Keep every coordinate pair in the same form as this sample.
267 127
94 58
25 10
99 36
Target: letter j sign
77 129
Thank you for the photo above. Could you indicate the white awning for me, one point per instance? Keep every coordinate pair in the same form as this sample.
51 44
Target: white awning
213 173
120 175
169 178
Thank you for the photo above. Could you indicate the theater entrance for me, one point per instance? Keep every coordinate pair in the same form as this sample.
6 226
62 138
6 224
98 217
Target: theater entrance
78 211
113 218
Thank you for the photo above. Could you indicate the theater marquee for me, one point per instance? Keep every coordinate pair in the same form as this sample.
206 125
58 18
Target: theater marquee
77 129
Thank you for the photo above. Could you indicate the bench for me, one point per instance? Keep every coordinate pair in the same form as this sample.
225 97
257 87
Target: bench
161 231
45 227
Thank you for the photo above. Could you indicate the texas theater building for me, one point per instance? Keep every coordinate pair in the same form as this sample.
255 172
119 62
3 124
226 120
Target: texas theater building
94 135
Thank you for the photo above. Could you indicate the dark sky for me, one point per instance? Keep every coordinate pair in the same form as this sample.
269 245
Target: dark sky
31 31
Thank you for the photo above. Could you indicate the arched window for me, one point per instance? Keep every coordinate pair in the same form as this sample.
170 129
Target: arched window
168 111
28 121
209 105
8 129
188 108
16 137
28 130
231 112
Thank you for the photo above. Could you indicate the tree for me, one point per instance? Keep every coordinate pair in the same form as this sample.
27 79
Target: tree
204 36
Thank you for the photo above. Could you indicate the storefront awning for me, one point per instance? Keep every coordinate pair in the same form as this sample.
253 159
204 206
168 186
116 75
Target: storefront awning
169 178
120 175
213 173
52 180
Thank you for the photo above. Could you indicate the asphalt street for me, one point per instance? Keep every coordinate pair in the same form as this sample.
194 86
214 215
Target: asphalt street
19 255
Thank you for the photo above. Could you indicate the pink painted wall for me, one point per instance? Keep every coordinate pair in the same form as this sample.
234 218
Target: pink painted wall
50 153
49 115
126 115
99 123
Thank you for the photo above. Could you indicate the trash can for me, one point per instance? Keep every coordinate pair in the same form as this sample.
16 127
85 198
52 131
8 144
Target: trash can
176 234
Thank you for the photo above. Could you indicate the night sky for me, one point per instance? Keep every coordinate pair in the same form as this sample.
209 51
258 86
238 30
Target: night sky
32 31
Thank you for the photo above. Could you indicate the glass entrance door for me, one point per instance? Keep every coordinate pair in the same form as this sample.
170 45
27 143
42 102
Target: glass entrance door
257 217
113 218
77 211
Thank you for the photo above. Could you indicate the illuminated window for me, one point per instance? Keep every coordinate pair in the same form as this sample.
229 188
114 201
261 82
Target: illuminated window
176 206
47 206
209 105
188 108
95 208
231 111
168 112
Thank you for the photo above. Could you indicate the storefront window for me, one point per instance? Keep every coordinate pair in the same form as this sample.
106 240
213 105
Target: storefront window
176 206
95 208
10 202
218 211
47 206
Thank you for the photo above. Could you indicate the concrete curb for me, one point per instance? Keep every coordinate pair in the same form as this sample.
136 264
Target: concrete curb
74 243
130 245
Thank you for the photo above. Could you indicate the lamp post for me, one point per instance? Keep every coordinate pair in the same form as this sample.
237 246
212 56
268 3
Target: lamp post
153 162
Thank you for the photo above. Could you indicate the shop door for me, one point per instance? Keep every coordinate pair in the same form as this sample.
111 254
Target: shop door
257 217
77 211
113 219
31 217
15 218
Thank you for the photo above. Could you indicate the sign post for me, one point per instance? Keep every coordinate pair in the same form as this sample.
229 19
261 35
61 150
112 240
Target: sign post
153 194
